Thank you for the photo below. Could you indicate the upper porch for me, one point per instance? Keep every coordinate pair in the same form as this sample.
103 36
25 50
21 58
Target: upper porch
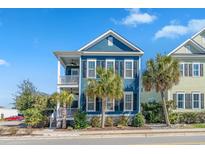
68 74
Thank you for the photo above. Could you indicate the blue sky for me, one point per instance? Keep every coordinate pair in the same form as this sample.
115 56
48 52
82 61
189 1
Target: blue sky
28 38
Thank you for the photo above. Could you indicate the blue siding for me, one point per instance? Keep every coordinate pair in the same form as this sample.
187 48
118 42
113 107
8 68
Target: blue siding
103 46
129 85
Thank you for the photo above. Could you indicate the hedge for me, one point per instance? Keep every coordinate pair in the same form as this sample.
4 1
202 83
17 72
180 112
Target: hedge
187 117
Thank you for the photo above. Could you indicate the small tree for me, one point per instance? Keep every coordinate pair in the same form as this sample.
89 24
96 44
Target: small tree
25 95
109 85
161 74
65 98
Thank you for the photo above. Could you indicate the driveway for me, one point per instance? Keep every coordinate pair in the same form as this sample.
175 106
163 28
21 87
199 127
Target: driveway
11 123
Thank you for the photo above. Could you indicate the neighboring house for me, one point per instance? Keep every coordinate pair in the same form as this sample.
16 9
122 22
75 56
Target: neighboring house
5 113
189 93
150 96
109 50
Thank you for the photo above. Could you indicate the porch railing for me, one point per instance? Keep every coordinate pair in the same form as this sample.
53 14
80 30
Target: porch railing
70 112
69 79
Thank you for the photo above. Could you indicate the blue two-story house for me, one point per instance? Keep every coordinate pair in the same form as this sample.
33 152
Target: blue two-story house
110 51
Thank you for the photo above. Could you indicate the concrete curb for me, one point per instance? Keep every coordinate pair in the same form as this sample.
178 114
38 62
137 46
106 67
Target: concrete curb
161 132
109 133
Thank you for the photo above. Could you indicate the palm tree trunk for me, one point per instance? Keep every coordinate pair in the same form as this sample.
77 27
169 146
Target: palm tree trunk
165 109
103 113
64 116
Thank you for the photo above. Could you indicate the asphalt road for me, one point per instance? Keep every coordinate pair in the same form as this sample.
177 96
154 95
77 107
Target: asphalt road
181 140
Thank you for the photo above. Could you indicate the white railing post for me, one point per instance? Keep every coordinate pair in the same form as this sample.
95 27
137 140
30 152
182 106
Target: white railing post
59 72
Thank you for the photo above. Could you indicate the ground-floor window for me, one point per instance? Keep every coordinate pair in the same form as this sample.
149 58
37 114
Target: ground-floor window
180 100
110 104
90 104
196 100
128 101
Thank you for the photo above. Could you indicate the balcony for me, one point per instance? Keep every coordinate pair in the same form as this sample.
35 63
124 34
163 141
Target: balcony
69 80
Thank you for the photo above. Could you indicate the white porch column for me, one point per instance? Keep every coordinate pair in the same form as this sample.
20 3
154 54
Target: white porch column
79 83
140 83
59 72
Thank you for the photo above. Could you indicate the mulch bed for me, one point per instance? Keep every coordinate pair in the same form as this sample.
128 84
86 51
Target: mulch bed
108 128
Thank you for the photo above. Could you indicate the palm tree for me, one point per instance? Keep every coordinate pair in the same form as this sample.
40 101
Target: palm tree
161 74
109 85
65 98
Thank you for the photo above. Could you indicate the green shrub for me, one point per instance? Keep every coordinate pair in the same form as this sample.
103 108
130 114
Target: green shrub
33 117
152 112
123 121
95 122
187 117
80 120
174 118
138 120
109 122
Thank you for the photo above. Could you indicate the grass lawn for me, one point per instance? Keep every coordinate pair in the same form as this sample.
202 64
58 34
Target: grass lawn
202 125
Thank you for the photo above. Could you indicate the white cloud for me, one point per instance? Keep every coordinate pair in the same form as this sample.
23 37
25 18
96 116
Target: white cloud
3 62
174 30
135 18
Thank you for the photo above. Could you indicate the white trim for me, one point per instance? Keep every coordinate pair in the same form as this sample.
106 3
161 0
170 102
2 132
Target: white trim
128 60
196 34
139 81
199 69
91 60
123 53
128 93
59 72
87 104
183 68
114 34
183 93
80 75
193 99
113 104
183 44
110 60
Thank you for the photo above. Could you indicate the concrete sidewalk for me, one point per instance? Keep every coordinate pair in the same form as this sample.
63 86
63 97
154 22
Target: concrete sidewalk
155 132
52 133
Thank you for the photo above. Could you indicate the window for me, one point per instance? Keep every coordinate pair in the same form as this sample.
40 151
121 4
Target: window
110 64
74 71
196 100
180 100
181 69
128 65
91 68
90 104
110 104
128 101
196 69
188 48
110 41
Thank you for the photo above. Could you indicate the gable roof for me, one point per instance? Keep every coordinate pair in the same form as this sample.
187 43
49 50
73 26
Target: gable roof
190 40
114 34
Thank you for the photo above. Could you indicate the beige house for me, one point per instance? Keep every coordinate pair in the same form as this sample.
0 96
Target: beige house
189 93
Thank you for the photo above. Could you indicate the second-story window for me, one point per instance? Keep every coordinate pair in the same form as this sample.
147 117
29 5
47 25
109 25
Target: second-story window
128 71
181 69
91 68
196 69
110 64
